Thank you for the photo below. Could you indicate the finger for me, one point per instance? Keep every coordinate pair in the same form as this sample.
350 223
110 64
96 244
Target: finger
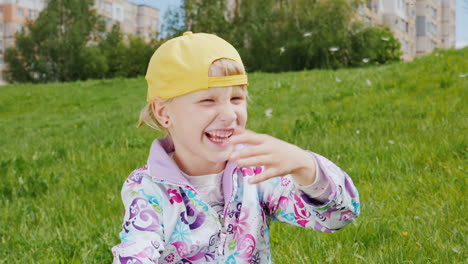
239 130
255 161
265 175
247 137
248 152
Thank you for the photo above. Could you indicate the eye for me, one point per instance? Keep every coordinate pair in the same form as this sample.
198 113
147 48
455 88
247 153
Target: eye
207 101
237 98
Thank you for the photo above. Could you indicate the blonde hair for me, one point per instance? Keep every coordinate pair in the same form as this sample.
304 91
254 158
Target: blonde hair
221 67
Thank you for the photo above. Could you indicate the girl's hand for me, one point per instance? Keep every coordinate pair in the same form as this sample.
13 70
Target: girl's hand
279 157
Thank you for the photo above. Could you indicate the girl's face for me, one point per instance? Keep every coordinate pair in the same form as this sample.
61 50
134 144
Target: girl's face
200 124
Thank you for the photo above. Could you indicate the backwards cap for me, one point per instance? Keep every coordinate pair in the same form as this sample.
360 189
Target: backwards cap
181 66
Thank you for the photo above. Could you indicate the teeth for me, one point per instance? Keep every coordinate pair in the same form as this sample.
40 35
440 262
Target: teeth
218 139
220 133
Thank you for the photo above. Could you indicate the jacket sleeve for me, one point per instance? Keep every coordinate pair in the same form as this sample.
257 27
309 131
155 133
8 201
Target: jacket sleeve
333 205
142 238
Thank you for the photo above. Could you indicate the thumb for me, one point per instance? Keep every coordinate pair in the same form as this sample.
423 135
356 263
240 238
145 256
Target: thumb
237 131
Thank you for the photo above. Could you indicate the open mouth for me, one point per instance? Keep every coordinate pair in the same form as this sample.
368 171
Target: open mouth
219 135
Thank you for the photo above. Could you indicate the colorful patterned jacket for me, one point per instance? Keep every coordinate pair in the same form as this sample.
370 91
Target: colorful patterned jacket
167 222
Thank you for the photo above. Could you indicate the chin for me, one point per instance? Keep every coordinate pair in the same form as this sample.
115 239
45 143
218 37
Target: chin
222 156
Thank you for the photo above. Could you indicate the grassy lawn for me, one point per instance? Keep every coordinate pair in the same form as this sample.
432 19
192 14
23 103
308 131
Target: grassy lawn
400 131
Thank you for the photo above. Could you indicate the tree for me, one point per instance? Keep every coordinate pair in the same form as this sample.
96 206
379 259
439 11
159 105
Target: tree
52 47
137 56
113 48
284 35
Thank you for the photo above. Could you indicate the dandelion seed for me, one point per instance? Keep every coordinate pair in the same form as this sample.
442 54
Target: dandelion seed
337 79
357 132
417 217
437 54
460 167
20 181
365 60
463 75
282 49
404 234
307 34
333 49
385 39
391 142
269 112
368 82
456 250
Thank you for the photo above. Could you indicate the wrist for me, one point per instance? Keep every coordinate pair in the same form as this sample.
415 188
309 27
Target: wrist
306 173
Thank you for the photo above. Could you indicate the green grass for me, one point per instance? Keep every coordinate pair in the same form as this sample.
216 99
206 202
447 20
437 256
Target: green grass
67 148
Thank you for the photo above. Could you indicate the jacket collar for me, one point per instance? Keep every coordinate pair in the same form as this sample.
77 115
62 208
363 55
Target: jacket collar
163 168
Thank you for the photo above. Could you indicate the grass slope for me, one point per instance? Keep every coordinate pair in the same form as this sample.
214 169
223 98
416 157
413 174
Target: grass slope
398 130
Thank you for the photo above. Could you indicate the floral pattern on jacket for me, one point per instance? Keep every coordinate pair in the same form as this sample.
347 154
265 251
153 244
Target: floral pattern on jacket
167 222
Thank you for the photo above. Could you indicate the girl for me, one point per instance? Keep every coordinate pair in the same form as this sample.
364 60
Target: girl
211 187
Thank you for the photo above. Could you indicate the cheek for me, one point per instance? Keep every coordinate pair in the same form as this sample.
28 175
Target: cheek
242 116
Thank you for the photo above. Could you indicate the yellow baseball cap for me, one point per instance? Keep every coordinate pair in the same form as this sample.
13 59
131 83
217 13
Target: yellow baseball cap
181 65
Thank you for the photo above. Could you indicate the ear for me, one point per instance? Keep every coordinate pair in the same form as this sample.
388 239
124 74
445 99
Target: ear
160 112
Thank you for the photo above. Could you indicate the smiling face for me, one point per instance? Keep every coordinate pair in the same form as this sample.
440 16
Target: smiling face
201 124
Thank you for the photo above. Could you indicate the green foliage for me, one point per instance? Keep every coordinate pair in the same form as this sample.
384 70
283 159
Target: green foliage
113 48
50 47
92 62
274 35
137 55
398 130
377 45
67 42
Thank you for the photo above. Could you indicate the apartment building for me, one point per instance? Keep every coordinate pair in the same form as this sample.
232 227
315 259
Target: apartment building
140 20
419 25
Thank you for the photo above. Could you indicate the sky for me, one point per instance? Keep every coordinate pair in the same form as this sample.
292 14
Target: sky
461 14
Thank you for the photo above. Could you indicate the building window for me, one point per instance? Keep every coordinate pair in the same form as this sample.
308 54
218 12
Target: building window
376 7
1 46
368 21
31 14
404 45
19 12
1 11
108 22
108 7
19 27
434 12
369 4
406 27
421 26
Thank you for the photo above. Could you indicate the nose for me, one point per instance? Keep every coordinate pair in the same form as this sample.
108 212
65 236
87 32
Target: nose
227 113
